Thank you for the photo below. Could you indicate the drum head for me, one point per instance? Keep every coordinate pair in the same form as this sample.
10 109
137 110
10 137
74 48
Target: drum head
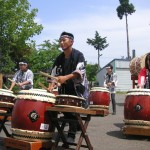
138 92
103 89
70 96
36 94
7 93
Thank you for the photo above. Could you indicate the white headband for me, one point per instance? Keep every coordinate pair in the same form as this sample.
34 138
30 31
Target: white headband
22 63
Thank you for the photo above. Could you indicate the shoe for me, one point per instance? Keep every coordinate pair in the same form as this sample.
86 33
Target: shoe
70 140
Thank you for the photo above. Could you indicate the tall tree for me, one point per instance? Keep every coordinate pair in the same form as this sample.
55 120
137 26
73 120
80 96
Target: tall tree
17 26
99 44
124 9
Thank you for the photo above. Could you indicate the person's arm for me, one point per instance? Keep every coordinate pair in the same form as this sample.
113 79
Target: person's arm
115 80
105 84
142 78
12 85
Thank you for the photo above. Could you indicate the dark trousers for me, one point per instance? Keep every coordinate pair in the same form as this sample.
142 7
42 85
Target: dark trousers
113 102
72 125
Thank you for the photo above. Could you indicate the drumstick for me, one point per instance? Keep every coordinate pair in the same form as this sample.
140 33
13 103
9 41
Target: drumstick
43 86
5 86
12 81
49 76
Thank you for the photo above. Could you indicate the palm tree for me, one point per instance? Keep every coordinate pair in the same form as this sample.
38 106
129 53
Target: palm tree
99 44
124 9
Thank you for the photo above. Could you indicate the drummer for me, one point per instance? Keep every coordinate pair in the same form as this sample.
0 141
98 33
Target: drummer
23 78
144 75
110 82
69 67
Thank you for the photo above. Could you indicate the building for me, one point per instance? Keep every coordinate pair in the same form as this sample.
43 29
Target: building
121 68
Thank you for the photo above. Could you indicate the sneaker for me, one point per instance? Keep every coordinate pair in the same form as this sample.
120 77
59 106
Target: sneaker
70 140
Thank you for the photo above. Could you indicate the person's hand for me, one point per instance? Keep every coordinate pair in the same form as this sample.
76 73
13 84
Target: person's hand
52 86
109 84
19 84
61 79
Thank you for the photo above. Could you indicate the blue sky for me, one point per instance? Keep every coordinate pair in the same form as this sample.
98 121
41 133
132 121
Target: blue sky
84 17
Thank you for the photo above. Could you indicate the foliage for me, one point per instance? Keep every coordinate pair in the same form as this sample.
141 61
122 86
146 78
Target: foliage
125 8
17 26
99 43
43 59
91 71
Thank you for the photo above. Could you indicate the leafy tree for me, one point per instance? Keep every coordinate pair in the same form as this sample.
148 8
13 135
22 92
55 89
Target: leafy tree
43 59
99 44
124 9
91 70
17 26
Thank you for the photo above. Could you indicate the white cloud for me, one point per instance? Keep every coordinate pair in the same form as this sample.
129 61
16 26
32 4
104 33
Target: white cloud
108 25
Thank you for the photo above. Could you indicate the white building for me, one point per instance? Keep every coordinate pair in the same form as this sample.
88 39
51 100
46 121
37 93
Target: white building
121 68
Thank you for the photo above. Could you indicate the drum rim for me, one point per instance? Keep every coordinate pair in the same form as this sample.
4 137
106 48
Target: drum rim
68 106
138 92
70 96
36 95
8 93
31 134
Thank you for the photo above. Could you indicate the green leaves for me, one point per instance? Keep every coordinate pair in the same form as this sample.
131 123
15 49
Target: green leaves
99 43
17 26
125 8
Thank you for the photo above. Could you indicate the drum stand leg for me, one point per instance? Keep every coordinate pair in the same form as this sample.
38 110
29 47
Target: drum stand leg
26 145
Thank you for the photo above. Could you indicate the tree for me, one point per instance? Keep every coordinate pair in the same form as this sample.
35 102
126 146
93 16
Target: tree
99 44
17 26
91 71
43 59
124 9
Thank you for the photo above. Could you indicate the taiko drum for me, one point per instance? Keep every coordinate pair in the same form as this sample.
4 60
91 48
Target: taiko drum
30 120
69 101
7 97
99 96
137 106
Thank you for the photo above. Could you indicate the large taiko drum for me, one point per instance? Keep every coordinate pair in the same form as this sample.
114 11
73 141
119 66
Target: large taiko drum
136 64
69 101
137 107
99 97
7 97
30 120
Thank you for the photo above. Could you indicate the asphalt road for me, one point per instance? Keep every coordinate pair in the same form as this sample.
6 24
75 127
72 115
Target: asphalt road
105 132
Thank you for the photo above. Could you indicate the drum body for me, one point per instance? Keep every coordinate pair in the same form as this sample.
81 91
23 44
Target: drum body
7 97
30 120
69 101
136 64
137 106
99 97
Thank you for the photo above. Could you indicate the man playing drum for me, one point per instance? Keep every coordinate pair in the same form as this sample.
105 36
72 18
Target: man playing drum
110 82
144 75
69 67
23 78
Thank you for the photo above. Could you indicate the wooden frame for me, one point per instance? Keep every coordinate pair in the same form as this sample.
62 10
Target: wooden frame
136 130
83 123
5 116
134 78
26 145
